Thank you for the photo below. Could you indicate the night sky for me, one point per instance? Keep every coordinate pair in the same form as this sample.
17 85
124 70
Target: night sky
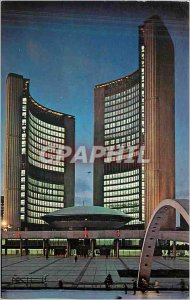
66 48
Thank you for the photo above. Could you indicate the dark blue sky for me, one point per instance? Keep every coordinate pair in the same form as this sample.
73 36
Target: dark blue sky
65 49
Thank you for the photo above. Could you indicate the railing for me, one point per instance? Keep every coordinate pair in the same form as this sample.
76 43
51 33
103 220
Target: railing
29 280
120 286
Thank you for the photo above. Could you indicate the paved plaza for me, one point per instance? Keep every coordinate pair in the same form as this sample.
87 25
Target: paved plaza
85 273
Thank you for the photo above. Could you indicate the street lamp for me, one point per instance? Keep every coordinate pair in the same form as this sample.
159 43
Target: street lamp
5 226
3 223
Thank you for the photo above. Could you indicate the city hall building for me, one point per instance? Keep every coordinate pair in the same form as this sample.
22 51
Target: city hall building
133 111
35 181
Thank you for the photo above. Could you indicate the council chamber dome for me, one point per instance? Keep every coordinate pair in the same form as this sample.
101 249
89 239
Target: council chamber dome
91 217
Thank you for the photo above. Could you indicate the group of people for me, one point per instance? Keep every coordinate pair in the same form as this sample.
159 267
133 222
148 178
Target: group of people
143 285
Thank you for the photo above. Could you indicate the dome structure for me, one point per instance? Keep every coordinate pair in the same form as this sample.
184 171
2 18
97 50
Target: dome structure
91 217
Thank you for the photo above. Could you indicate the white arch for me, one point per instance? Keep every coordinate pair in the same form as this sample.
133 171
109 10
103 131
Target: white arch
152 232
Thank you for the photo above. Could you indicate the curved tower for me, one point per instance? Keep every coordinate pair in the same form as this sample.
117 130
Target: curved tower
133 111
38 178
118 123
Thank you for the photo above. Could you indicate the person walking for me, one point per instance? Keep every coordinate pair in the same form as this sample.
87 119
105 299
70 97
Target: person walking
76 258
126 288
144 285
134 287
182 285
47 253
110 280
60 283
106 282
156 286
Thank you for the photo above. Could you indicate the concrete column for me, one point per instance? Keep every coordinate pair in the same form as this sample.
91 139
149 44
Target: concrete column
5 246
47 247
117 248
174 248
68 248
20 247
26 246
92 247
44 247
168 244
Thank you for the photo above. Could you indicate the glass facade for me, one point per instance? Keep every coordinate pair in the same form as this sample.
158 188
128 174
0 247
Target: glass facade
24 112
58 246
40 148
39 177
44 142
121 118
23 152
123 129
142 64
121 191
43 197
23 195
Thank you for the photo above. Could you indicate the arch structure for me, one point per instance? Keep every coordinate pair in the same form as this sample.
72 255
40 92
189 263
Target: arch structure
152 232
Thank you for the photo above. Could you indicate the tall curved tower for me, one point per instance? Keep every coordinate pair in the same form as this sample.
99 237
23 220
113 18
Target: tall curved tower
139 110
38 178
119 185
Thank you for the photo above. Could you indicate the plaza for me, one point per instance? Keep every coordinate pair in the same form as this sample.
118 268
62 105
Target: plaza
86 273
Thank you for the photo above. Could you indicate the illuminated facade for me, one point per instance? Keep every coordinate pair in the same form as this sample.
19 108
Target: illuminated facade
133 111
121 184
38 179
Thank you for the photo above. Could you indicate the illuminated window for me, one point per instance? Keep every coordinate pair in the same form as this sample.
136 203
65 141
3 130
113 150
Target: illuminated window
24 100
43 197
42 134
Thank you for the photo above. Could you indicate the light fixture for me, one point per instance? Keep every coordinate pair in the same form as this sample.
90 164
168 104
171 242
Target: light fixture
4 223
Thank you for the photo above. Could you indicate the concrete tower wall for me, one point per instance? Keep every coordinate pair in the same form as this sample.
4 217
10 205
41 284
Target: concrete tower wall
159 118
99 141
12 163
69 175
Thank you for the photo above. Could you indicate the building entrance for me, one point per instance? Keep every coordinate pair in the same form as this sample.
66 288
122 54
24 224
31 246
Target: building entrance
60 251
81 246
